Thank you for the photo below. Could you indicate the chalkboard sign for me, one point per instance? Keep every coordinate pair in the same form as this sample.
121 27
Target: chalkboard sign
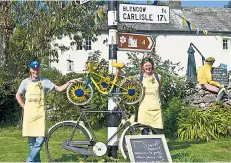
147 148
220 75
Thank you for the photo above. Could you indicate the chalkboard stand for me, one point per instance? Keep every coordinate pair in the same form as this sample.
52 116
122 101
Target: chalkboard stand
143 148
220 75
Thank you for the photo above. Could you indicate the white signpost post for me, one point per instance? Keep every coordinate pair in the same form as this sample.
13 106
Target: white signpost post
143 13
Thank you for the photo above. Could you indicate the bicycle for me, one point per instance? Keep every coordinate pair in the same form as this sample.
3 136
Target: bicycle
81 142
98 77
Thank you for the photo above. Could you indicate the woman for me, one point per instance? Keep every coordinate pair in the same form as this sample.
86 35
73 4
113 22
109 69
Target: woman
150 108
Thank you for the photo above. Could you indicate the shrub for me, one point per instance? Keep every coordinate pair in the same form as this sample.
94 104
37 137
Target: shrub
171 113
196 123
60 108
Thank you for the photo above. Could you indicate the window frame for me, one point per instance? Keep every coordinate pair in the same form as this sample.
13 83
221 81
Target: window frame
86 45
79 47
225 44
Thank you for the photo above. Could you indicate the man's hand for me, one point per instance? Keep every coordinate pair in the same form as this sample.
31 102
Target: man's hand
64 86
79 79
72 81
222 86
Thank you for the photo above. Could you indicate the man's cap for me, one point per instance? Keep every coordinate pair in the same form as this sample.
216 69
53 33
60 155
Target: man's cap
34 64
210 59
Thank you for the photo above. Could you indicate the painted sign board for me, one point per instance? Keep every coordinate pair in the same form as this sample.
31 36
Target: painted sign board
135 42
148 148
143 13
220 75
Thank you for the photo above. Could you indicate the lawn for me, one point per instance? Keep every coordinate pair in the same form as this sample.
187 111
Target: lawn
14 148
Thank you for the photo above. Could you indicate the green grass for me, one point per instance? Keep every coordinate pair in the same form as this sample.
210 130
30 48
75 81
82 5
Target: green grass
14 148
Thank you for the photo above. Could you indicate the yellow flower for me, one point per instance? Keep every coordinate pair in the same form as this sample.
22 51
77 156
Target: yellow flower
152 80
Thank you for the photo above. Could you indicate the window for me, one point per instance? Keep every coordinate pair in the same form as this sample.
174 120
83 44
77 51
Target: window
79 47
86 44
62 51
70 65
225 44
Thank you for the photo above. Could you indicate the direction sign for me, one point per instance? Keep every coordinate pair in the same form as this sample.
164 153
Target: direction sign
143 13
84 1
135 42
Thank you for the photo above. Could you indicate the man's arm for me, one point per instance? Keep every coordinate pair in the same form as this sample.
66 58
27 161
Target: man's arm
64 86
210 81
20 100
21 91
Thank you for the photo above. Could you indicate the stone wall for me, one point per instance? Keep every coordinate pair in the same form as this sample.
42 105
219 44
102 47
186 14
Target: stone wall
203 99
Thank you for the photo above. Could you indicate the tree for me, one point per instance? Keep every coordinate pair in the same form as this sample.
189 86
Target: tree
37 24
6 27
31 29
228 5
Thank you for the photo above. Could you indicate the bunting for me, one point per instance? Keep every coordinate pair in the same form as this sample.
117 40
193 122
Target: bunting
184 23
190 26
205 32
98 16
198 30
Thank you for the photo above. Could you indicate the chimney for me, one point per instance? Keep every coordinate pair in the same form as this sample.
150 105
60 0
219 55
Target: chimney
174 4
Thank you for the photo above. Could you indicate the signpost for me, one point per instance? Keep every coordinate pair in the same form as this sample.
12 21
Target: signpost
135 42
143 13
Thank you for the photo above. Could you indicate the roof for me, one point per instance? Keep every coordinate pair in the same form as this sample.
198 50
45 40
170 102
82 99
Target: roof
214 20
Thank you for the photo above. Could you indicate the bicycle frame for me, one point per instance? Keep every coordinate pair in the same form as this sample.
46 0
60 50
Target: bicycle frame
90 80
83 114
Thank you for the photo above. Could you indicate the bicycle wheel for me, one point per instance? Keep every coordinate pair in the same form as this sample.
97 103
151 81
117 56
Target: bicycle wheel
58 134
79 93
134 130
132 91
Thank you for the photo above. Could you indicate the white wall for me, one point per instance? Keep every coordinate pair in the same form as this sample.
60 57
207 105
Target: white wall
79 57
173 47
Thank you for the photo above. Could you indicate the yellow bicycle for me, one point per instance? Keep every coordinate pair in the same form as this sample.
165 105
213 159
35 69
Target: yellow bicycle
130 89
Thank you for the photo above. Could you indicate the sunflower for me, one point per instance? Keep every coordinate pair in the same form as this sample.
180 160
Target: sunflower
78 93
132 92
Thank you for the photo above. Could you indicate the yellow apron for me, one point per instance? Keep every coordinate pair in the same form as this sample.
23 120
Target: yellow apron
34 110
150 108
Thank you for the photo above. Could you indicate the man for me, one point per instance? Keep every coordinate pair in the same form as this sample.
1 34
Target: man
35 88
204 78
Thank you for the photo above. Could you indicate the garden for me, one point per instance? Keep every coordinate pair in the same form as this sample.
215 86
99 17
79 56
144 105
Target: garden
193 134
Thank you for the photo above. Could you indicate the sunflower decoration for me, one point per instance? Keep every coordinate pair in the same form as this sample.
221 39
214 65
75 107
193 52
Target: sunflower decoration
105 83
152 80
80 94
131 91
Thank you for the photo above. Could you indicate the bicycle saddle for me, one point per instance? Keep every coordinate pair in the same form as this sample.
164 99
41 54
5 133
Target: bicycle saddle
117 64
